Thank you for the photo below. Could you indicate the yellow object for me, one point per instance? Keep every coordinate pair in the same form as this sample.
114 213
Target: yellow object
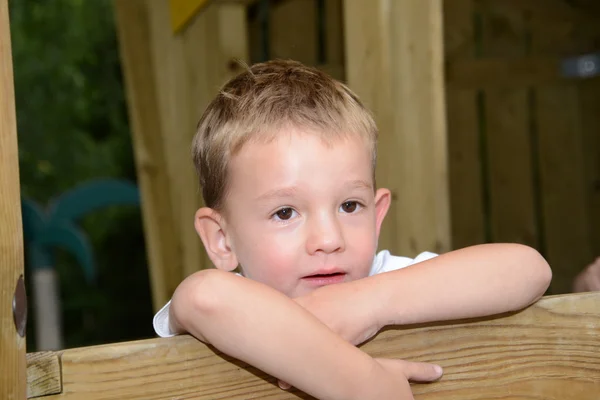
182 11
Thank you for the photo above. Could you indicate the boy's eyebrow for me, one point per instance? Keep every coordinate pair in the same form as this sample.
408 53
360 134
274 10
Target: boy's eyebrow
360 184
282 192
291 191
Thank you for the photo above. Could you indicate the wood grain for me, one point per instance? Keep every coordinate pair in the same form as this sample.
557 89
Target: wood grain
465 163
12 346
507 134
162 240
43 374
394 61
170 80
564 190
513 72
548 351
368 73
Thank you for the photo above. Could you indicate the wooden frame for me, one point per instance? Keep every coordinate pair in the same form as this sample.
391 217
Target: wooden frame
550 350
12 345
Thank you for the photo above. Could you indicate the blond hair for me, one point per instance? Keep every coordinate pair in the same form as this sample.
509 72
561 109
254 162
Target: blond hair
259 102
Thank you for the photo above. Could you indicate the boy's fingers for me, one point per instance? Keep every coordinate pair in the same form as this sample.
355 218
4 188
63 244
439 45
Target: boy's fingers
284 385
422 372
413 371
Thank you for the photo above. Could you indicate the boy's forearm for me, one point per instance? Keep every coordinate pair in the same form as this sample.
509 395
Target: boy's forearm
472 282
266 329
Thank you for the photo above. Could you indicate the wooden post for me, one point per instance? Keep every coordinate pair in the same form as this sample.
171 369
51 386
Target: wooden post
466 194
12 346
565 189
394 61
170 79
162 242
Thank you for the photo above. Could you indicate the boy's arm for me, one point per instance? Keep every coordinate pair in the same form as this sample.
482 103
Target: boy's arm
472 282
264 328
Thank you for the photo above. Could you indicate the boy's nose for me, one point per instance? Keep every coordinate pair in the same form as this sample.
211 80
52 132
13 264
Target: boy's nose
325 235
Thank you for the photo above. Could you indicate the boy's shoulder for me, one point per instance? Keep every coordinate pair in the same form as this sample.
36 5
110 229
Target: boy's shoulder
385 261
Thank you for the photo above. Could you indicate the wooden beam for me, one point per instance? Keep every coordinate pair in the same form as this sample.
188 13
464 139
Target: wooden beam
506 131
555 13
190 68
12 345
515 72
394 61
464 143
160 228
43 374
561 139
549 350
170 79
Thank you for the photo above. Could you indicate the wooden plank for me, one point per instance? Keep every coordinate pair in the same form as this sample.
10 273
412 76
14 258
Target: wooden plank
394 61
548 351
334 39
170 80
507 134
43 374
589 101
465 168
417 58
206 55
589 104
562 169
293 31
161 236
564 193
368 73
12 345
291 37
176 108
556 14
183 73
514 72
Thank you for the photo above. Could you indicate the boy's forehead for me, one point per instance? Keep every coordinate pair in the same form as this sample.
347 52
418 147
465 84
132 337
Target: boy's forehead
289 135
292 157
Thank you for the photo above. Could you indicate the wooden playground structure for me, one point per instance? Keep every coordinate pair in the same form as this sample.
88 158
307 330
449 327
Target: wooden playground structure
455 71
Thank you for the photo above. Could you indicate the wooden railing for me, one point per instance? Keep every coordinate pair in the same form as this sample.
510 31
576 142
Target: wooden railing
549 351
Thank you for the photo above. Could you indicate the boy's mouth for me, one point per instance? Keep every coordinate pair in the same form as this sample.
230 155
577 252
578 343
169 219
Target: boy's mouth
323 279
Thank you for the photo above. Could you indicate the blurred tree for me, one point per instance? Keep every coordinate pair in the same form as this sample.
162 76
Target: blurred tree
72 126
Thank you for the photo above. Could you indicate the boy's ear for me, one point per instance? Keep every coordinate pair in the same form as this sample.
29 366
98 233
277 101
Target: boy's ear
211 228
383 199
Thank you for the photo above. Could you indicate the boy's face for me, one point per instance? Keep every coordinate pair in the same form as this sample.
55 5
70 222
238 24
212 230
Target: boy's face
301 214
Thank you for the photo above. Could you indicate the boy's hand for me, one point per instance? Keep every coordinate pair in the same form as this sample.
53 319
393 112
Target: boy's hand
402 371
589 279
346 309
351 312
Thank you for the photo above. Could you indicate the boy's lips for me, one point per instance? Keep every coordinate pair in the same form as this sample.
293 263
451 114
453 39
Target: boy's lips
325 277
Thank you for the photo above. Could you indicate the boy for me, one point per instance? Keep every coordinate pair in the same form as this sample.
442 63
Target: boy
286 159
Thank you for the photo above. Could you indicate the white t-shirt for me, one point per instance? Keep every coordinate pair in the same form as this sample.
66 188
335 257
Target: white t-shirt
383 262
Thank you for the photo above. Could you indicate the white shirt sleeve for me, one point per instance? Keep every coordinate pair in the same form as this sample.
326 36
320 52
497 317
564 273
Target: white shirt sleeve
385 262
161 322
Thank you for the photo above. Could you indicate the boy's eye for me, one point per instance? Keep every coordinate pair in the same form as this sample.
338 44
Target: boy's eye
350 206
284 214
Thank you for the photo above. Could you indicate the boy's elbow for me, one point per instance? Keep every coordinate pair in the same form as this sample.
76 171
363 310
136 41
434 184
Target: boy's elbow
539 273
198 297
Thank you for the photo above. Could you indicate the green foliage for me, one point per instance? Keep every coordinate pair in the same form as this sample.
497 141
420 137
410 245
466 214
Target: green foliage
72 127
69 97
